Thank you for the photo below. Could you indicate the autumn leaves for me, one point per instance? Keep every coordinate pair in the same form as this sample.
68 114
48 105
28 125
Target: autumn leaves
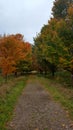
13 50
52 49
54 44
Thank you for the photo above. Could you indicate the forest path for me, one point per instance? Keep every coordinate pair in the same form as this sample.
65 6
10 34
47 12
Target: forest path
36 110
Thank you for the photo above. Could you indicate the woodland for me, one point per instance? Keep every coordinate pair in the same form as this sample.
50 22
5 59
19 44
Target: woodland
33 68
52 51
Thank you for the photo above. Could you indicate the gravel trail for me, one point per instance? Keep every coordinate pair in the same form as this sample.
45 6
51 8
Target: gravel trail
35 110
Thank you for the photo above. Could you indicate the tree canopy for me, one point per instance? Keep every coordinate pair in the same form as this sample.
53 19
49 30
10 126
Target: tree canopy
13 51
60 8
54 43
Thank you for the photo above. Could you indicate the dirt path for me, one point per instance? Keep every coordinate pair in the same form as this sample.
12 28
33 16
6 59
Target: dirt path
36 110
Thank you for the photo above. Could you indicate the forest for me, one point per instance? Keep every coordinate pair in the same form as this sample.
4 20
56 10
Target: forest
52 51
53 46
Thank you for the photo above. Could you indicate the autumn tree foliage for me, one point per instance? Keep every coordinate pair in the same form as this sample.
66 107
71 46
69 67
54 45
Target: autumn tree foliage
48 46
13 49
54 43
25 64
52 49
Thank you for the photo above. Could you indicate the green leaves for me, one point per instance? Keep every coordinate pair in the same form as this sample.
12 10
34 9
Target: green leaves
60 8
54 43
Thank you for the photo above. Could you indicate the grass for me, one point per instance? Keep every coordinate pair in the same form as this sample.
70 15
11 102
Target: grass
10 92
61 76
64 77
59 93
8 98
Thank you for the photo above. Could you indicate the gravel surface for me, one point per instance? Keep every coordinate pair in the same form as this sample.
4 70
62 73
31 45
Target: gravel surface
36 110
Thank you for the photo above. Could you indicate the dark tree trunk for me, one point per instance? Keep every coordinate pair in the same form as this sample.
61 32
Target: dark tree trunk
72 78
53 69
53 73
15 74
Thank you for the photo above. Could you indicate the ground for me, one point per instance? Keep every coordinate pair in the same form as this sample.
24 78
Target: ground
36 110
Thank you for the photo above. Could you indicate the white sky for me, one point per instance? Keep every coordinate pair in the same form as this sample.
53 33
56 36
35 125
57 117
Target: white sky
24 16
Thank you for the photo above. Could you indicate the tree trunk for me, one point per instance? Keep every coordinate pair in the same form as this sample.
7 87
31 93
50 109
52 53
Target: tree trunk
15 74
53 73
72 79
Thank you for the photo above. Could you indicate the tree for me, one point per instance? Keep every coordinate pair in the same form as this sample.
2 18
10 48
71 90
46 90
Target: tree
25 64
65 32
60 8
46 44
13 50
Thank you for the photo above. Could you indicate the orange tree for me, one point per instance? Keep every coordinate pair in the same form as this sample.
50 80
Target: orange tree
12 50
25 64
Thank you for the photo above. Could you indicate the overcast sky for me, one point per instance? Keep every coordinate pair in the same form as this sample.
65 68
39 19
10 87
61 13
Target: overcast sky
24 16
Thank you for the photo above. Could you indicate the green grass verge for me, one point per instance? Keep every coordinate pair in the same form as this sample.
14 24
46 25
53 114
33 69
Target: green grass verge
59 94
8 101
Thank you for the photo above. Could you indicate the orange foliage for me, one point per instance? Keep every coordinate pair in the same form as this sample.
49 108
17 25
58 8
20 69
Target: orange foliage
70 11
12 50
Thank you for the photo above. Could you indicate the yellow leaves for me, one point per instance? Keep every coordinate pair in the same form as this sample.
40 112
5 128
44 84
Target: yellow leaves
70 11
67 113
65 49
36 129
56 112
62 60
54 36
64 126
61 24
71 64
52 23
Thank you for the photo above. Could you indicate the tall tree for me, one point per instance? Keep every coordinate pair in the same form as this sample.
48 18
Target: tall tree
13 50
25 64
60 8
65 32
47 45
